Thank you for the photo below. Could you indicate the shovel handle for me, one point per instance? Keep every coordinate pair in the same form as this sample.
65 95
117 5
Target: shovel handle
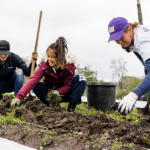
138 1
36 44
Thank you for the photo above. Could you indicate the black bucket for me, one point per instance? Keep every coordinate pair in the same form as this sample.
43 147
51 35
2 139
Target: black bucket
101 95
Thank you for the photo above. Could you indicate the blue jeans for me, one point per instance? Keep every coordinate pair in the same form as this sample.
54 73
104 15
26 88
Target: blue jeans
78 87
14 84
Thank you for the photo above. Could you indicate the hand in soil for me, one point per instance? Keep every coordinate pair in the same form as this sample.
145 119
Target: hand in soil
127 103
15 102
53 98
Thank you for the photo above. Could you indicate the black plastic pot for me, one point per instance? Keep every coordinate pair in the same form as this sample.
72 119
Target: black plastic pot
101 95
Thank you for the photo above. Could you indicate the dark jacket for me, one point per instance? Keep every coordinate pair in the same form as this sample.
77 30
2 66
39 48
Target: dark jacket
13 61
61 81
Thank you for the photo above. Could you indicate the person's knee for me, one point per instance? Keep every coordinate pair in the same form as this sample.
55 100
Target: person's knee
19 71
82 79
84 83
79 82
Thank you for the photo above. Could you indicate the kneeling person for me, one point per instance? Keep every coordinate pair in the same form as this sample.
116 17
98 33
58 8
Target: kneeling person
58 75
11 79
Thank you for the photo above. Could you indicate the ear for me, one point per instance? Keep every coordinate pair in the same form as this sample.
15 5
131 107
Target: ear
130 29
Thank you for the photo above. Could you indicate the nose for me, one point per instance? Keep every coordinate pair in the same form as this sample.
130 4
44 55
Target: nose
3 55
49 59
119 42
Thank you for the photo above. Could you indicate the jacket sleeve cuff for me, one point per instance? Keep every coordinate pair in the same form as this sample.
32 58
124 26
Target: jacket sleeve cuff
19 97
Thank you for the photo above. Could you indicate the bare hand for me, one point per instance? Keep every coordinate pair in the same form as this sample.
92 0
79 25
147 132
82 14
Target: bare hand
35 55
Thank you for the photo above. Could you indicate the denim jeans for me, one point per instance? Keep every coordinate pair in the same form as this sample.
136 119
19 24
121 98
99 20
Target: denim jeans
14 84
78 87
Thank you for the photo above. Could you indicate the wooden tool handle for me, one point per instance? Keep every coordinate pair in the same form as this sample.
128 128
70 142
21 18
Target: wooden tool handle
138 1
36 44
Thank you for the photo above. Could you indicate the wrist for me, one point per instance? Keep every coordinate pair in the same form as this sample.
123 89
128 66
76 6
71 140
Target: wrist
18 97
134 95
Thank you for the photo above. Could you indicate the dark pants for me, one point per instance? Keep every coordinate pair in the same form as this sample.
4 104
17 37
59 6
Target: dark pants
14 84
78 87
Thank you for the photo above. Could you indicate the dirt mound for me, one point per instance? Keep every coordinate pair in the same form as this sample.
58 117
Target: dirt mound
56 129
25 115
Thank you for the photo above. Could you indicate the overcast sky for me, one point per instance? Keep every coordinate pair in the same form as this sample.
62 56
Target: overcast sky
84 23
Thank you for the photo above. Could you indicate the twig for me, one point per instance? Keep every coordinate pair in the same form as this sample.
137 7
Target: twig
37 125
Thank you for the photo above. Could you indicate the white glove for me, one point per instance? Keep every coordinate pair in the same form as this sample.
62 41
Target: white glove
128 103
55 92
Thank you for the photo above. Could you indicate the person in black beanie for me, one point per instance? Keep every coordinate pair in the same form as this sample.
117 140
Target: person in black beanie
12 69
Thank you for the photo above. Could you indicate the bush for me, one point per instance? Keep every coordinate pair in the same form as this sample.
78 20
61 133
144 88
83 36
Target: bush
129 83
121 93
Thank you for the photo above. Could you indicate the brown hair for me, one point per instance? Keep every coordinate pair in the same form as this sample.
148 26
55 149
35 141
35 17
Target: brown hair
61 50
133 26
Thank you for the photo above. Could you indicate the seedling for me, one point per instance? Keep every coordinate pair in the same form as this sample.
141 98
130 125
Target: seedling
53 99
40 114
131 145
46 140
25 130
144 138
116 144
80 120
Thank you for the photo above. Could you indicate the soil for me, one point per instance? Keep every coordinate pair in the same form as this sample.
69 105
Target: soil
56 129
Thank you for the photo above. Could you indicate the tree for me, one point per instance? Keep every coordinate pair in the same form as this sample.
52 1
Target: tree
129 83
91 76
119 70
101 80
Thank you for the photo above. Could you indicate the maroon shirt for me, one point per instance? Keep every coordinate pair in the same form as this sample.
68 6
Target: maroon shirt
62 80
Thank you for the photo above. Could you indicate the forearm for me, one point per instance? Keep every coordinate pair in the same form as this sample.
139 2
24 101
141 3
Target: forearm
31 83
26 88
143 87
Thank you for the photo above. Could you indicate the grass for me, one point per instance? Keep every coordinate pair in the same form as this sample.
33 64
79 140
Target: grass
10 119
7 94
83 108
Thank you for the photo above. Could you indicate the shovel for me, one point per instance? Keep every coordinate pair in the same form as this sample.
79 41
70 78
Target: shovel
145 110
35 50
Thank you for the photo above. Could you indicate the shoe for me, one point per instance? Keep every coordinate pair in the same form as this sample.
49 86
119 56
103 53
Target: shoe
71 107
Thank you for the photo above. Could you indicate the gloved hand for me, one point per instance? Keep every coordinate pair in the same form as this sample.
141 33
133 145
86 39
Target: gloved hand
55 92
15 101
128 103
35 55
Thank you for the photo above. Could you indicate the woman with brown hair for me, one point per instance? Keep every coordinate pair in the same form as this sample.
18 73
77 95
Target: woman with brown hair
136 38
59 75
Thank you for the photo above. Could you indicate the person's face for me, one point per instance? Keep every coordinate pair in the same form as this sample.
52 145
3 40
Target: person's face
3 57
51 57
126 39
